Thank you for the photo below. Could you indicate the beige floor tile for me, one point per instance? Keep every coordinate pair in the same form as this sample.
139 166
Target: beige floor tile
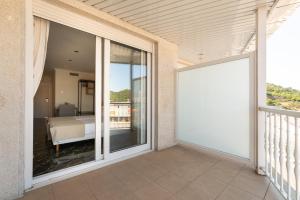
118 193
205 156
273 194
225 175
132 180
192 192
229 164
176 173
249 181
191 170
72 189
211 186
166 164
122 170
44 193
102 185
203 188
144 168
151 192
171 182
233 193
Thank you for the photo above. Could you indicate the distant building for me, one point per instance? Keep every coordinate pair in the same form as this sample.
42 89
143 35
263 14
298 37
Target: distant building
120 114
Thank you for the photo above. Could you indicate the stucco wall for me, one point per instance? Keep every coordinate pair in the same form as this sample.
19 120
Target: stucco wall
166 96
12 25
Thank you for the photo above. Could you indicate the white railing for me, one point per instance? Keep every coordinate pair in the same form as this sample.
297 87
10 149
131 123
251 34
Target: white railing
282 150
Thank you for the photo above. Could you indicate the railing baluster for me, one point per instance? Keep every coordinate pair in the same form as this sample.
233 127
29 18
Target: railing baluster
281 153
275 149
288 159
282 150
266 144
297 153
270 146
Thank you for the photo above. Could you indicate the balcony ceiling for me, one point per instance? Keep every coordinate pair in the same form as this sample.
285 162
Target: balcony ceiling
203 29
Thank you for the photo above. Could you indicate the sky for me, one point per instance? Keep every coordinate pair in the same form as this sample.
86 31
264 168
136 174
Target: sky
120 75
283 53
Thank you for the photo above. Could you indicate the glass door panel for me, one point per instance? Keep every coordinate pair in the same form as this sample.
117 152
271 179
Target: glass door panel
128 92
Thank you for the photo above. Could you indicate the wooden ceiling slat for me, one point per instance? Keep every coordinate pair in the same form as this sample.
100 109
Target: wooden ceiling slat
196 14
204 20
112 5
94 2
169 11
143 6
194 25
226 26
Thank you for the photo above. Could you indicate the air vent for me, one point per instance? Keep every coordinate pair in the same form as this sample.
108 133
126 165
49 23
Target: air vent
74 74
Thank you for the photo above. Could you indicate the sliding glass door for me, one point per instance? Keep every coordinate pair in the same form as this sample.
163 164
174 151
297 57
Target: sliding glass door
101 107
128 97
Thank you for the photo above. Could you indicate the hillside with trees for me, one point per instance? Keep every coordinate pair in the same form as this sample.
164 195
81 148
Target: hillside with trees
286 98
120 96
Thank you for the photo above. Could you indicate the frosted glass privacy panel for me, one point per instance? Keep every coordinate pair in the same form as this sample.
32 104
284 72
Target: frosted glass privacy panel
213 107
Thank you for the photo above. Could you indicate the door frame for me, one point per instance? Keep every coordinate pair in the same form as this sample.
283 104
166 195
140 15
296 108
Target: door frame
131 150
103 32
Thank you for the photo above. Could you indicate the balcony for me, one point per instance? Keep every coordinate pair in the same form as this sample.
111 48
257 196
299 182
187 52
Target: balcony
282 150
175 173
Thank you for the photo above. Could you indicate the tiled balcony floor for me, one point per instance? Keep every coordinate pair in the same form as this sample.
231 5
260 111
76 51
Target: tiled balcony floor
175 173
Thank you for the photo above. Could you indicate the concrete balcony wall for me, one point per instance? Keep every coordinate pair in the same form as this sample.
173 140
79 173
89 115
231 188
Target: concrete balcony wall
12 80
166 95
12 96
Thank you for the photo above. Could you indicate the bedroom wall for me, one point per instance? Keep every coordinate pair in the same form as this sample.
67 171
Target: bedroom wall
66 88
12 81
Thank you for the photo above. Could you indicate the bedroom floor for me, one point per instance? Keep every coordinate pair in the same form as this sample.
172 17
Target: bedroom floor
45 159
174 173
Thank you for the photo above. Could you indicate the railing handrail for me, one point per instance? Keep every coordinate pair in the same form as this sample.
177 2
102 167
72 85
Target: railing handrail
276 110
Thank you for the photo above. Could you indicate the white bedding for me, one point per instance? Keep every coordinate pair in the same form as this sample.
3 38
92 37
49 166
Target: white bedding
71 129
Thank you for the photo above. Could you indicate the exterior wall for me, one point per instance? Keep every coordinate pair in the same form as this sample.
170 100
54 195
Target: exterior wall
12 80
12 97
165 95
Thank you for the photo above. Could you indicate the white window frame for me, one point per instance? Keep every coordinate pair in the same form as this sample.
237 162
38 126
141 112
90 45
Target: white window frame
104 33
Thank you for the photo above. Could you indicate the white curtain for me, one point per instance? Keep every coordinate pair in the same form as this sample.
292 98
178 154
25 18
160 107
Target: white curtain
41 33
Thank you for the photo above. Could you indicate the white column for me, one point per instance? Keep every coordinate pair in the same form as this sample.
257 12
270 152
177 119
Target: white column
261 26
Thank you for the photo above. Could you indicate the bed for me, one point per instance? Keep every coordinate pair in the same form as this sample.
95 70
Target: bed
71 129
